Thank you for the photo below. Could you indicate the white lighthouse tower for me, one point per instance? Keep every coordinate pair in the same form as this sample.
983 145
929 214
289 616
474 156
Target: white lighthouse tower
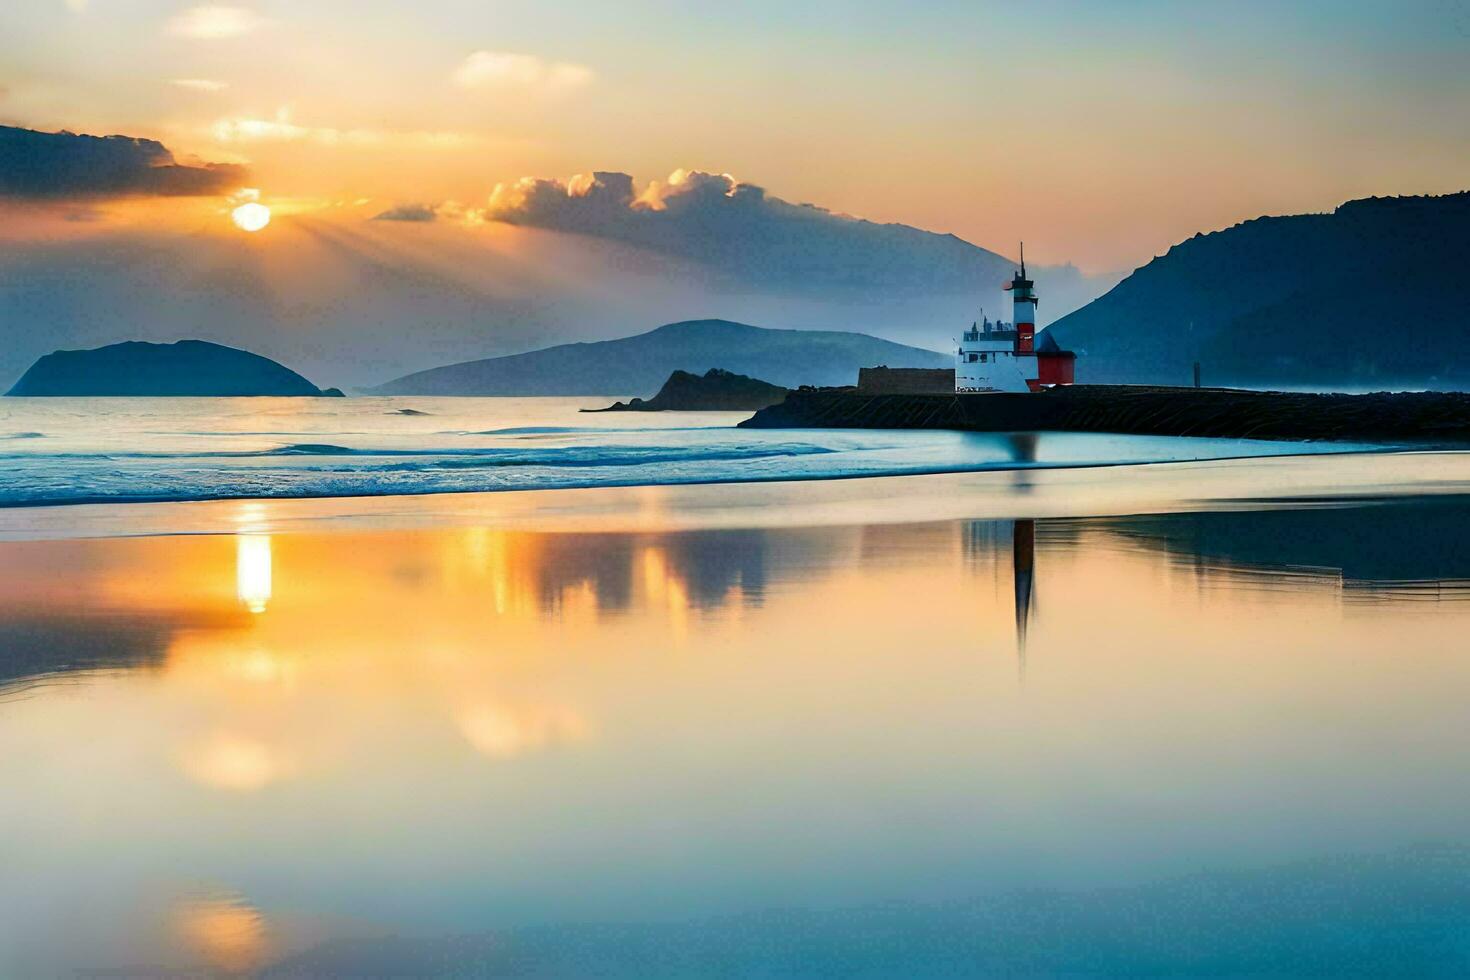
1023 305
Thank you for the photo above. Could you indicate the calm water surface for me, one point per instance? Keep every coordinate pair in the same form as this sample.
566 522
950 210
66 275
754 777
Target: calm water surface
1218 741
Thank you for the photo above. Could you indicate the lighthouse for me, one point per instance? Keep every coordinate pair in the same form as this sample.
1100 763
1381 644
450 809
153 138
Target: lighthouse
1023 306
1006 356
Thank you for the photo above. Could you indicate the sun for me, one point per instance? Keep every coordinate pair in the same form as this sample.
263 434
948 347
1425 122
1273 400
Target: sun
251 217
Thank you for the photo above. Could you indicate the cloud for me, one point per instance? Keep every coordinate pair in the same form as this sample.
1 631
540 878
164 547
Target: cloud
213 23
509 70
606 202
245 129
66 165
600 203
199 84
748 241
740 231
693 188
755 241
408 212
283 129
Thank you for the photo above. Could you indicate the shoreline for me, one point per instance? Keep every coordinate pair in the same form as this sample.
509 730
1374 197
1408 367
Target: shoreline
1113 489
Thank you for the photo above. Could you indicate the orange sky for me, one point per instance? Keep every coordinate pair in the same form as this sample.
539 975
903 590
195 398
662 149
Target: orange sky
1101 133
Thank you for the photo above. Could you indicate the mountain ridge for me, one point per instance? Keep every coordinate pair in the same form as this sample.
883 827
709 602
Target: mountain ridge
1371 293
642 362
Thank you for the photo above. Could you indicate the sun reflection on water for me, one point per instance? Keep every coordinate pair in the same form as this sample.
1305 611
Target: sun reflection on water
224 930
253 570
502 732
229 761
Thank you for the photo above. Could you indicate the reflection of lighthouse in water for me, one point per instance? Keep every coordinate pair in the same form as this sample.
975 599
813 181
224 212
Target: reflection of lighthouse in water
985 541
1023 569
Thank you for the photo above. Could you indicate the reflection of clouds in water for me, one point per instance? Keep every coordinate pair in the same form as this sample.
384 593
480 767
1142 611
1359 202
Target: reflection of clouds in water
253 570
502 731
224 930
662 588
1388 552
260 666
233 762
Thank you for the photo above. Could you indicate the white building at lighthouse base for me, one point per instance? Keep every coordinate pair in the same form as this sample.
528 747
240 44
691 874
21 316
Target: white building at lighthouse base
987 360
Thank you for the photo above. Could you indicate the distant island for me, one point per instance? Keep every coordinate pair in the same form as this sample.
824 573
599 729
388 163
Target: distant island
1373 295
716 390
185 368
787 358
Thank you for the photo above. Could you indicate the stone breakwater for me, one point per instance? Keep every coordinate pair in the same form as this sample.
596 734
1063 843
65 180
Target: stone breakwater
1419 417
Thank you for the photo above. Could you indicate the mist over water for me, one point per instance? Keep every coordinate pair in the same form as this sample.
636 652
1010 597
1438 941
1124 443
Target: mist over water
352 302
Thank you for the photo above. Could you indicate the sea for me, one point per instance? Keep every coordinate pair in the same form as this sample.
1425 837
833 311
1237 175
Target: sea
114 450
421 687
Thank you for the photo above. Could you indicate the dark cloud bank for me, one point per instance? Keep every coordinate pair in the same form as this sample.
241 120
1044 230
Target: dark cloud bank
45 166
739 229
753 241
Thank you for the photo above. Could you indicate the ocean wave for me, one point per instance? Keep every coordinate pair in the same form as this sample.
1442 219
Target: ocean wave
587 455
600 457
331 470
410 480
24 435
554 430
406 460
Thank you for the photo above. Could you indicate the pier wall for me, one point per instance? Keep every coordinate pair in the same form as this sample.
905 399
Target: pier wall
1420 417
906 381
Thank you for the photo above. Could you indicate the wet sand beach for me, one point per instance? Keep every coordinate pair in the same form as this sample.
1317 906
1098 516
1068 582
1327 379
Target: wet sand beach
1120 720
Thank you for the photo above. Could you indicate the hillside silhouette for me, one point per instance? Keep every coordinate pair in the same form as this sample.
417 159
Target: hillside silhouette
1374 294
788 358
